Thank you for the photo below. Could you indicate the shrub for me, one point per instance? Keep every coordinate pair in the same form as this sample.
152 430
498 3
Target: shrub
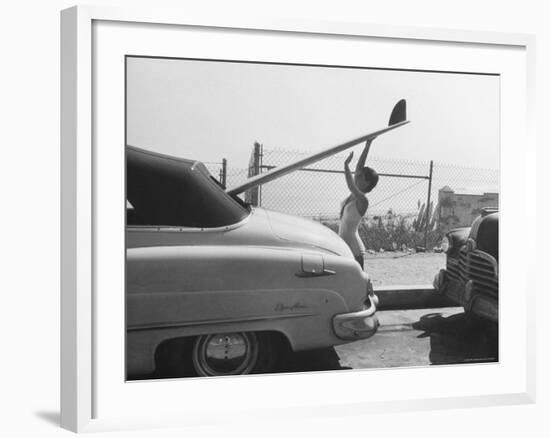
391 232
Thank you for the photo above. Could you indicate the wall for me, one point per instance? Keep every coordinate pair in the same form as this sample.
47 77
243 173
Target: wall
460 209
29 243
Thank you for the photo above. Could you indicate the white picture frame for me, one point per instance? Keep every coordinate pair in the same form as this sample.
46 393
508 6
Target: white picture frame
82 368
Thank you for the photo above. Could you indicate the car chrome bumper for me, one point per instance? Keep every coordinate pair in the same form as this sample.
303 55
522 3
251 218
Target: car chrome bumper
357 325
440 281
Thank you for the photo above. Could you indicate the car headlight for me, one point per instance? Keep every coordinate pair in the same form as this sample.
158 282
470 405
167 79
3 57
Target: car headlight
445 244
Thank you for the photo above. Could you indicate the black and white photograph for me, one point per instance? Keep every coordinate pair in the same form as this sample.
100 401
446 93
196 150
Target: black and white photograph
287 218
275 219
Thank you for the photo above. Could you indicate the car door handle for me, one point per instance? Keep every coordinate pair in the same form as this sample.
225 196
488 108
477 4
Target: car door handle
322 273
313 265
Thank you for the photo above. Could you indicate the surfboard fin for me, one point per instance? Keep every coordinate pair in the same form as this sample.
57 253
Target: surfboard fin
399 112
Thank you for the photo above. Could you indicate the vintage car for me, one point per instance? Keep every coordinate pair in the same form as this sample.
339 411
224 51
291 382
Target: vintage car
471 276
217 287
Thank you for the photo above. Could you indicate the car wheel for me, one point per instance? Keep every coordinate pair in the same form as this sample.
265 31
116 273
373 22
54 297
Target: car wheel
225 354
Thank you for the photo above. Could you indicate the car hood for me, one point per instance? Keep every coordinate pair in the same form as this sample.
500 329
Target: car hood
296 230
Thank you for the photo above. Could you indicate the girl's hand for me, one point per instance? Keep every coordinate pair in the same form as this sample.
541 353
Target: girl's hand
348 160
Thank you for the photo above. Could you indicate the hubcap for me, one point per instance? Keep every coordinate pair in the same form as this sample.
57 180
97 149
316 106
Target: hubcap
225 354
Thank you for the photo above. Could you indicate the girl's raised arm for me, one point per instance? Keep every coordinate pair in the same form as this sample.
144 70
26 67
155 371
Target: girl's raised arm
363 157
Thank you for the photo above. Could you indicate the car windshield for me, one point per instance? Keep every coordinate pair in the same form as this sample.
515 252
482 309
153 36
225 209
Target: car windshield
168 191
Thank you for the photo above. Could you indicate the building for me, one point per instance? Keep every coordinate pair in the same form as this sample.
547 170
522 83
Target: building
460 209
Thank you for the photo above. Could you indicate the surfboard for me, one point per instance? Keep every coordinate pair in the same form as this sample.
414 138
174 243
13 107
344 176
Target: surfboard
397 119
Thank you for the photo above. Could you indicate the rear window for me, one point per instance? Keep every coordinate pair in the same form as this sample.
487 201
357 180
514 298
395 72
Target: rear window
167 191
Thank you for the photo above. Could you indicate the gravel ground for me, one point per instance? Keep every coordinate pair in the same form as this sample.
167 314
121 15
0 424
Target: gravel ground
398 268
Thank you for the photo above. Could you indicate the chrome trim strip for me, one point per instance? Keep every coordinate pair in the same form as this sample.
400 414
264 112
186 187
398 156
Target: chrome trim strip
176 229
169 325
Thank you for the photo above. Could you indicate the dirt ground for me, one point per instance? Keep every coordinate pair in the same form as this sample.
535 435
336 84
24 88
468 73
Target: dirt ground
408 338
398 268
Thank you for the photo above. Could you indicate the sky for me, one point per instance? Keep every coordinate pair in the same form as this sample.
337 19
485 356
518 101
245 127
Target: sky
209 110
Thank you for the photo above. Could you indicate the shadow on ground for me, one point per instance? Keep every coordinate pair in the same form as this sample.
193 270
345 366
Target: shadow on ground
457 339
323 359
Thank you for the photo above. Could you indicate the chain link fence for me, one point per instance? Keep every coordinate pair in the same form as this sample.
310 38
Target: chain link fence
228 176
413 205
317 191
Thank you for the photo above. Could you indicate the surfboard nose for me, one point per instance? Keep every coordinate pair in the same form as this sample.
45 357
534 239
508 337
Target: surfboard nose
399 112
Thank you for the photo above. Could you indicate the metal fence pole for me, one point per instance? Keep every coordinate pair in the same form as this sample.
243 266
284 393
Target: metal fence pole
255 171
260 168
223 172
428 209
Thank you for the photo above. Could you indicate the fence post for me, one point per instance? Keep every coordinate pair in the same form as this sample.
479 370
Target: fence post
428 209
223 173
260 170
253 170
